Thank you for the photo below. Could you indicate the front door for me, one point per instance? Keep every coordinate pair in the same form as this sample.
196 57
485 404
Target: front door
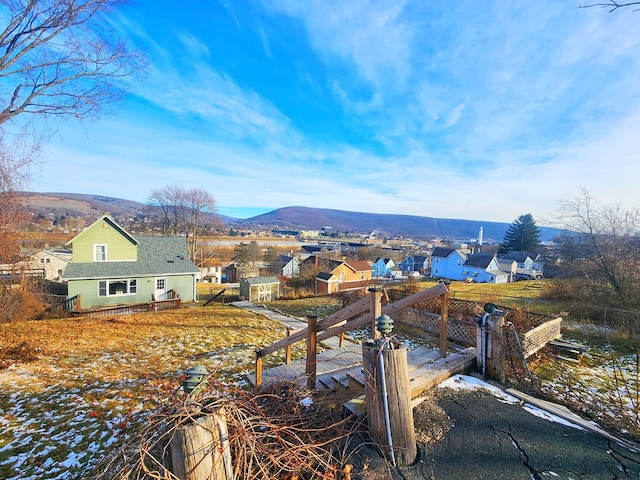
160 290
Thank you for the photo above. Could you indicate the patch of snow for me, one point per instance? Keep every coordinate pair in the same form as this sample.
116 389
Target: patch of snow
468 383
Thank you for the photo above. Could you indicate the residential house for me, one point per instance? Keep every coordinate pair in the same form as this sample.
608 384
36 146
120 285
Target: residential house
529 265
508 266
234 272
323 263
383 267
454 264
49 264
348 275
112 267
288 267
484 268
415 264
211 270
260 289
447 263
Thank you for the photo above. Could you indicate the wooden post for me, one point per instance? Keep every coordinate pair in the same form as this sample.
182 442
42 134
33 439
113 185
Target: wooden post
258 368
490 346
403 435
288 349
200 450
312 322
444 323
376 309
496 349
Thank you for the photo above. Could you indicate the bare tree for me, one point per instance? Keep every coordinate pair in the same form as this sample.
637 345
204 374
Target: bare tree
197 210
603 247
57 57
180 211
165 208
16 156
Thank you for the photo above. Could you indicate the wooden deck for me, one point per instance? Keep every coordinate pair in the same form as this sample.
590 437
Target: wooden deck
341 369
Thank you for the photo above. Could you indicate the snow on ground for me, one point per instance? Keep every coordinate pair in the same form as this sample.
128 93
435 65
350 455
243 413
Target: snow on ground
470 383
60 418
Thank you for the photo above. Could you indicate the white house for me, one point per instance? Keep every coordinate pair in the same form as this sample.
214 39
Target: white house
49 263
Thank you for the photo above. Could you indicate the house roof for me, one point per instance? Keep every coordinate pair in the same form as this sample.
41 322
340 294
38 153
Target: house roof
383 260
505 264
156 256
358 265
324 276
518 257
482 260
443 252
260 280
322 262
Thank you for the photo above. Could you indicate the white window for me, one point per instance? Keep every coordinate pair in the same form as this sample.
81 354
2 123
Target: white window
99 253
111 288
161 283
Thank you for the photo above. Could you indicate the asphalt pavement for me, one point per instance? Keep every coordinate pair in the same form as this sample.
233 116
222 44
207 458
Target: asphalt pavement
492 439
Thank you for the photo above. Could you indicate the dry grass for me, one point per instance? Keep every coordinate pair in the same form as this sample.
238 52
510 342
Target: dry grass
95 380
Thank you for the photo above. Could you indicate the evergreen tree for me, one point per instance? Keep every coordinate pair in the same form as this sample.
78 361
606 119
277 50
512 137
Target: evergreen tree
522 235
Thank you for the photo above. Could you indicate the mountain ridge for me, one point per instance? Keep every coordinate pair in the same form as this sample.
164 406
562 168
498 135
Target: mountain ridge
93 206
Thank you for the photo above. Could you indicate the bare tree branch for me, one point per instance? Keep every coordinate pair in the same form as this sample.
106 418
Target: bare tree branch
58 58
612 5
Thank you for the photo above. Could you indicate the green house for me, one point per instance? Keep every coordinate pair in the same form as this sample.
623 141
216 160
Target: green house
110 266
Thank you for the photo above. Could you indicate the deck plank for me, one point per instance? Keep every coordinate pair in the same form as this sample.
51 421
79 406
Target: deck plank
425 366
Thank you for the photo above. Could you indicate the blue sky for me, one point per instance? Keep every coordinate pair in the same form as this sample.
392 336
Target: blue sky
471 110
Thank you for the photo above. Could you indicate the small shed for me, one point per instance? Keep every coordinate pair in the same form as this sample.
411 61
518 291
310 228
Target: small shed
260 289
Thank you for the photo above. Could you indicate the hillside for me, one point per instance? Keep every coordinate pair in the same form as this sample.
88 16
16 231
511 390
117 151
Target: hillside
388 224
91 207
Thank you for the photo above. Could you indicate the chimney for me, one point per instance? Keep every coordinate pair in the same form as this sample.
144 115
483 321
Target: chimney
480 237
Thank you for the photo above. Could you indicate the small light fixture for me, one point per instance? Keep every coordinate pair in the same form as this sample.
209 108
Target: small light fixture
384 324
194 378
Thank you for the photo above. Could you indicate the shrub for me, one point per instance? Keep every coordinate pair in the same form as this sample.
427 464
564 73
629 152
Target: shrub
19 302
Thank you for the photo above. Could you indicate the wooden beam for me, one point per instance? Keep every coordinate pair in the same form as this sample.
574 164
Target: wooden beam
311 352
444 323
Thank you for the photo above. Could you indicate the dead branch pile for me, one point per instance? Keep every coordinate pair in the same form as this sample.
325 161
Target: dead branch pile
282 431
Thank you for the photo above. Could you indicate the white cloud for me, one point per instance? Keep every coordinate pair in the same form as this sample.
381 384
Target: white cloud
457 109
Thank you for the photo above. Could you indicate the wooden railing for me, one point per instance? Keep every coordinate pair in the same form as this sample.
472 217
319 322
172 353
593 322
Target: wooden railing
356 315
155 306
212 298
70 303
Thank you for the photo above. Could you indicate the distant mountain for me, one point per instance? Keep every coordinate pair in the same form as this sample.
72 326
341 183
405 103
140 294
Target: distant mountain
91 207
388 224
88 206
